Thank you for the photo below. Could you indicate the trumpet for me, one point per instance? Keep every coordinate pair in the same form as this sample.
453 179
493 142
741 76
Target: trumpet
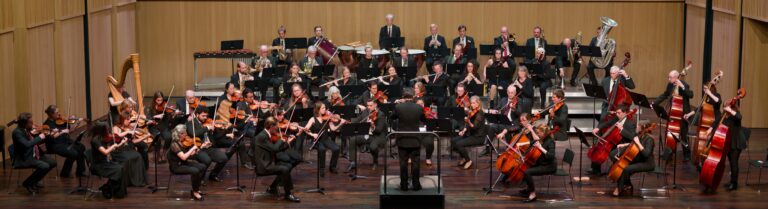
375 78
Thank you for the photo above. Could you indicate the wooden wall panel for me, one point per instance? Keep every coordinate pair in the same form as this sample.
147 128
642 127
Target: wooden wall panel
7 83
72 66
756 9
126 41
694 48
170 31
70 8
39 12
40 45
6 15
754 63
725 43
97 5
100 42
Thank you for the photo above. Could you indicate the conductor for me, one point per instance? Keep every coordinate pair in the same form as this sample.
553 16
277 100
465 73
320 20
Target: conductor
408 115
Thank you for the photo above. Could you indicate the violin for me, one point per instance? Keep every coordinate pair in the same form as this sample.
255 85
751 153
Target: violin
372 117
337 101
218 124
112 138
380 97
196 103
234 97
329 116
275 135
463 101
41 129
429 114
189 141
556 108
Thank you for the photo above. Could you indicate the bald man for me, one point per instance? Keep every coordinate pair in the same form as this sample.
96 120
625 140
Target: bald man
433 45
506 45
677 87
569 59
263 61
390 30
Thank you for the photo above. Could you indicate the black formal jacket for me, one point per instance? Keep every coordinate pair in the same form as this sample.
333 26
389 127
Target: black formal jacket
398 61
531 42
627 133
383 34
441 81
264 153
24 147
606 83
470 42
408 116
563 61
687 94
561 120
442 46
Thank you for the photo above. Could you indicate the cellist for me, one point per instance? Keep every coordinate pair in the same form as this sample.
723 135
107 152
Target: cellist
545 165
643 162
624 123
678 87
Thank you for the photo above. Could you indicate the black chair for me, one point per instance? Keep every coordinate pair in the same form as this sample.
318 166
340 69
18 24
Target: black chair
11 189
256 175
171 174
88 163
568 157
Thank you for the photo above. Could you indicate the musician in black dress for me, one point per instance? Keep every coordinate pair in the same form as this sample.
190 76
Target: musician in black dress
180 159
163 119
643 162
428 141
102 148
266 164
524 86
391 78
471 79
738 143
678 87
375 140
61 144
474 133
207 155
545 165
129 154
27 152
317 131
624 123
610 84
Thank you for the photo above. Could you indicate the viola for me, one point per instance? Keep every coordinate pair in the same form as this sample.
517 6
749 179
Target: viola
372 117
611 136
628 155
233 98
41 129
714 165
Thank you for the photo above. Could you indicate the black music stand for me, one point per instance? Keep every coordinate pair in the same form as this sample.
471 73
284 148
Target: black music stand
471 53
584 142
487 49
347 112
474 89
367 73
253 85
590 51
555 50
322 71
299 114
661 114
535 70
455 113
596 92
393 42
640 100
354 91
523 51
455 69
296 43
407 73
435 91
498 74
387 109
232 44
393 92
355 129
500 119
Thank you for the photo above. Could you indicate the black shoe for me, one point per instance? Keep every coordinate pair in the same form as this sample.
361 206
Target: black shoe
272 191
195 197
292 198
524 192
31 189
203 193
333 170
416 187
530 200
215 178
731 187
403 187
352 166
485 152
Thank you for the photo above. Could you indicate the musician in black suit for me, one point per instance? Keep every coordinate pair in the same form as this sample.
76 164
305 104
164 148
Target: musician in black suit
466 42
409 116
377 138
678 87
440 79
570 59
318 36
610 84
388 31
207 155
258 65
623 122
537 41
266 164
280 42
404 60
591 66
28 154
183 105
369 94
505 44
560 119
242 75
508 107
62 145
433 45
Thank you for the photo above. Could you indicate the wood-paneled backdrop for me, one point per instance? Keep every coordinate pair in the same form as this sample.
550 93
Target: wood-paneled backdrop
42 54
170 31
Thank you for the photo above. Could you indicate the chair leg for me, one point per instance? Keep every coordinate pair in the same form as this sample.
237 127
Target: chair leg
549 179
87 186
759 177
167 191
10 176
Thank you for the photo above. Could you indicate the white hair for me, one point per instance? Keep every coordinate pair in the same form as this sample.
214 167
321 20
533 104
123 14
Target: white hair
311 49
333 90
433 25
615 69
264 47
389 16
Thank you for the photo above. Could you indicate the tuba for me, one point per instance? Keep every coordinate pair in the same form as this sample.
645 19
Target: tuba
607 45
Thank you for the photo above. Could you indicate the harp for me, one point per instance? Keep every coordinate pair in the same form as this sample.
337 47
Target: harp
132 62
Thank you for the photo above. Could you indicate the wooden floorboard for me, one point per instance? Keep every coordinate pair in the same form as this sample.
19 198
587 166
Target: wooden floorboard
463 189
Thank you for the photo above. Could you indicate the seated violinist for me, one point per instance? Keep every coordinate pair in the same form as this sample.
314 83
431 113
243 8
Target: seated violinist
336 99
372 93
181 156
643 162
130 154
622 122
297 99
377 134
102 148
545 165
138 124
61 143
162 114
428 141
292 155
269 144
318 129
27 140
200 126
472 134
461 99
558 115
187 105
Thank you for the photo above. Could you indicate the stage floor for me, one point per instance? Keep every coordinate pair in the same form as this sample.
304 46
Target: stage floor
463 188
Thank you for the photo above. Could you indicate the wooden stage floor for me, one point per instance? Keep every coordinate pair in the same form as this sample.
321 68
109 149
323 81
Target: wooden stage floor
463 189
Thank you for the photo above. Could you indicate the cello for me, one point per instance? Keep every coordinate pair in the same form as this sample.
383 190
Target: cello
628 155
714 165
676 115
531 157
705 117
611 136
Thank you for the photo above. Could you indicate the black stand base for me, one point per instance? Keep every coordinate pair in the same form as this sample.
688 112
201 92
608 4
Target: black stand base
493 187
316 190
157 188
427 197
240 188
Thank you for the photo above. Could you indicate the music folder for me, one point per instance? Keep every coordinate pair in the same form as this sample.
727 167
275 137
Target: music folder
487 49
296 43
555 50
595 91
456 113
355 129
455 69
346 111
590 51
406 73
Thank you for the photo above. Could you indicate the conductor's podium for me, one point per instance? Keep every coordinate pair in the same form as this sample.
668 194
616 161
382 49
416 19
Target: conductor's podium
430 196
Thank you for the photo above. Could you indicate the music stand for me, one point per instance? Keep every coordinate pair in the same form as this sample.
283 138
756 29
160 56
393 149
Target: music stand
407 73
322 71
596 92
367 73
640 100
232 44
497 119
393 42
474 89
393 92
590 51
584 141
498 74
355 129
661 114
299 114
296 43
387 108
523 51
487 49
471 53
456 113
354 91
435 90
455 69
439 125
253 85
535 69
347 112
555 50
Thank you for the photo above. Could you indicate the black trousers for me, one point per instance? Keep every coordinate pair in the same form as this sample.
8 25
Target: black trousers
543 84
428 142
374 143
633 168
576 68
42 166
325 143
72 154
404 154
733 160
283 172
537 171
210 155
460 144
195 169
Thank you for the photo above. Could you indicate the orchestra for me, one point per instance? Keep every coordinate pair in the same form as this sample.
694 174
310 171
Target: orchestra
272 132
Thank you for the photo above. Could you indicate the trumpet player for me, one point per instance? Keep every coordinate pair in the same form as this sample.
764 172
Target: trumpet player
263 61
284 56
505 42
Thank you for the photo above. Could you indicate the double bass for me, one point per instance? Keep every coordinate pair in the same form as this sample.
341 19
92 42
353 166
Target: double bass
714 165
611 136
628 155
676 115
705 117
620 94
